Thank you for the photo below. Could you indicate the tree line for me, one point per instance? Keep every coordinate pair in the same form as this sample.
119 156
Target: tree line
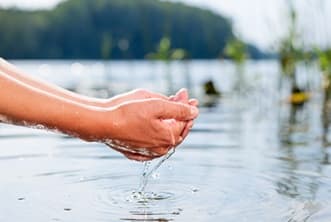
113 29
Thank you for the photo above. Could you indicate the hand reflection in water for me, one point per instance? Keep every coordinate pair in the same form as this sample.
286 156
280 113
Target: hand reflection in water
146 124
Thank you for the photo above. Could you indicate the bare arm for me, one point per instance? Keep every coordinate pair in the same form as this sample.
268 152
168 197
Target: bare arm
19 75
37 83
25 105
139 124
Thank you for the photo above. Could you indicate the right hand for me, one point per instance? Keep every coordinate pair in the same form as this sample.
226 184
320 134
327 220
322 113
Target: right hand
137 94
150 124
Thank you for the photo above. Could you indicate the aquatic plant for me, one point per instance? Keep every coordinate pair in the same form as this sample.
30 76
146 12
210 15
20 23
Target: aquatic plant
324 58
165 53
237 51
290 53
324 61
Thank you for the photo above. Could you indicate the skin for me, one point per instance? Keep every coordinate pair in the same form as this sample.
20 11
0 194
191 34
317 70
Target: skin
137 94
160 124
181 96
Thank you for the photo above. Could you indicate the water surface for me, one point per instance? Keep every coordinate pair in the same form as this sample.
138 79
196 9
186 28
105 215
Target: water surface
249 159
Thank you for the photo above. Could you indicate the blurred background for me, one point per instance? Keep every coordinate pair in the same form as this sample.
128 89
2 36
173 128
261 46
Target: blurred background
260 150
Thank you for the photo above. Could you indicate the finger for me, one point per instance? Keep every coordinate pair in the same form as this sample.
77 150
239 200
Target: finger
154 153
182 96
176 129
146 152
148 94
138 157
187 129
172 98
170 123
137 94
161 151
193 102
174 110
133 156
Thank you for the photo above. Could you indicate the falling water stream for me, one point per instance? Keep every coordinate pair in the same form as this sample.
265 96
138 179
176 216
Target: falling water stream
149 169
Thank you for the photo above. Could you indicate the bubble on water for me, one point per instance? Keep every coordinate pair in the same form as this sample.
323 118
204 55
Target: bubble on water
169 167
156 176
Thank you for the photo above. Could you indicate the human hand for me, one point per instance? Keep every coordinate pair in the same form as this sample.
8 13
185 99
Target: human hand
140 94
148 128
137 94
180 96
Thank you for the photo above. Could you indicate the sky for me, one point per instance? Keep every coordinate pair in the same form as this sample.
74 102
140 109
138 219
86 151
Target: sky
261 22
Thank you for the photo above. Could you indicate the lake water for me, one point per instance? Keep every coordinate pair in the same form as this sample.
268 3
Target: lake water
250 158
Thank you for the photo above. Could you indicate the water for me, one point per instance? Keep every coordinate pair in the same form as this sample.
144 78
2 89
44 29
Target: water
252 159
150 169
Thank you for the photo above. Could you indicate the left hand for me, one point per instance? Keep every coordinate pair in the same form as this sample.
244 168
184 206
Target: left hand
181 96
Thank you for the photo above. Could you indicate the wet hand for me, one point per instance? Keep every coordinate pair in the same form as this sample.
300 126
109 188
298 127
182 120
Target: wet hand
150 125
137 94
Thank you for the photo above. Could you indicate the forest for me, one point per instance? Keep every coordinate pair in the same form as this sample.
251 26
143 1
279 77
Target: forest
113 29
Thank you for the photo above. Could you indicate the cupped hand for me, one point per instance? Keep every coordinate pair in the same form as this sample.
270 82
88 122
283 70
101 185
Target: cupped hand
150 125
174 124
137 94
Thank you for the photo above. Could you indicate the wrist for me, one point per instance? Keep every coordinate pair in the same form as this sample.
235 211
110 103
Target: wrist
77 120
88 101
100 124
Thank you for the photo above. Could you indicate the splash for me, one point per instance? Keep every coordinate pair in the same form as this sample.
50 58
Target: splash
149 166
120 146
149 169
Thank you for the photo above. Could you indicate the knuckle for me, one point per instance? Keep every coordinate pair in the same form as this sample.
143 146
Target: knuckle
138 91
142 91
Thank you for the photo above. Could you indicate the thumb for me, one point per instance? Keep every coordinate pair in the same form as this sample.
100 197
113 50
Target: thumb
175 110
181 96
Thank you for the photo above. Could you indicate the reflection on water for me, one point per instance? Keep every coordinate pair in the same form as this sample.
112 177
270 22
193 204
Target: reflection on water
247 159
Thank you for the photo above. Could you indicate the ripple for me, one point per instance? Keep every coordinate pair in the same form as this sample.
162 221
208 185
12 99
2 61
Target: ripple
23 156
17 136
303 211
162 203
55 173
210 146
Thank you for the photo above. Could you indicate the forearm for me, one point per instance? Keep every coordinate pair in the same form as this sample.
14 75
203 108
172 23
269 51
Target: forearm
17 74
22 104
